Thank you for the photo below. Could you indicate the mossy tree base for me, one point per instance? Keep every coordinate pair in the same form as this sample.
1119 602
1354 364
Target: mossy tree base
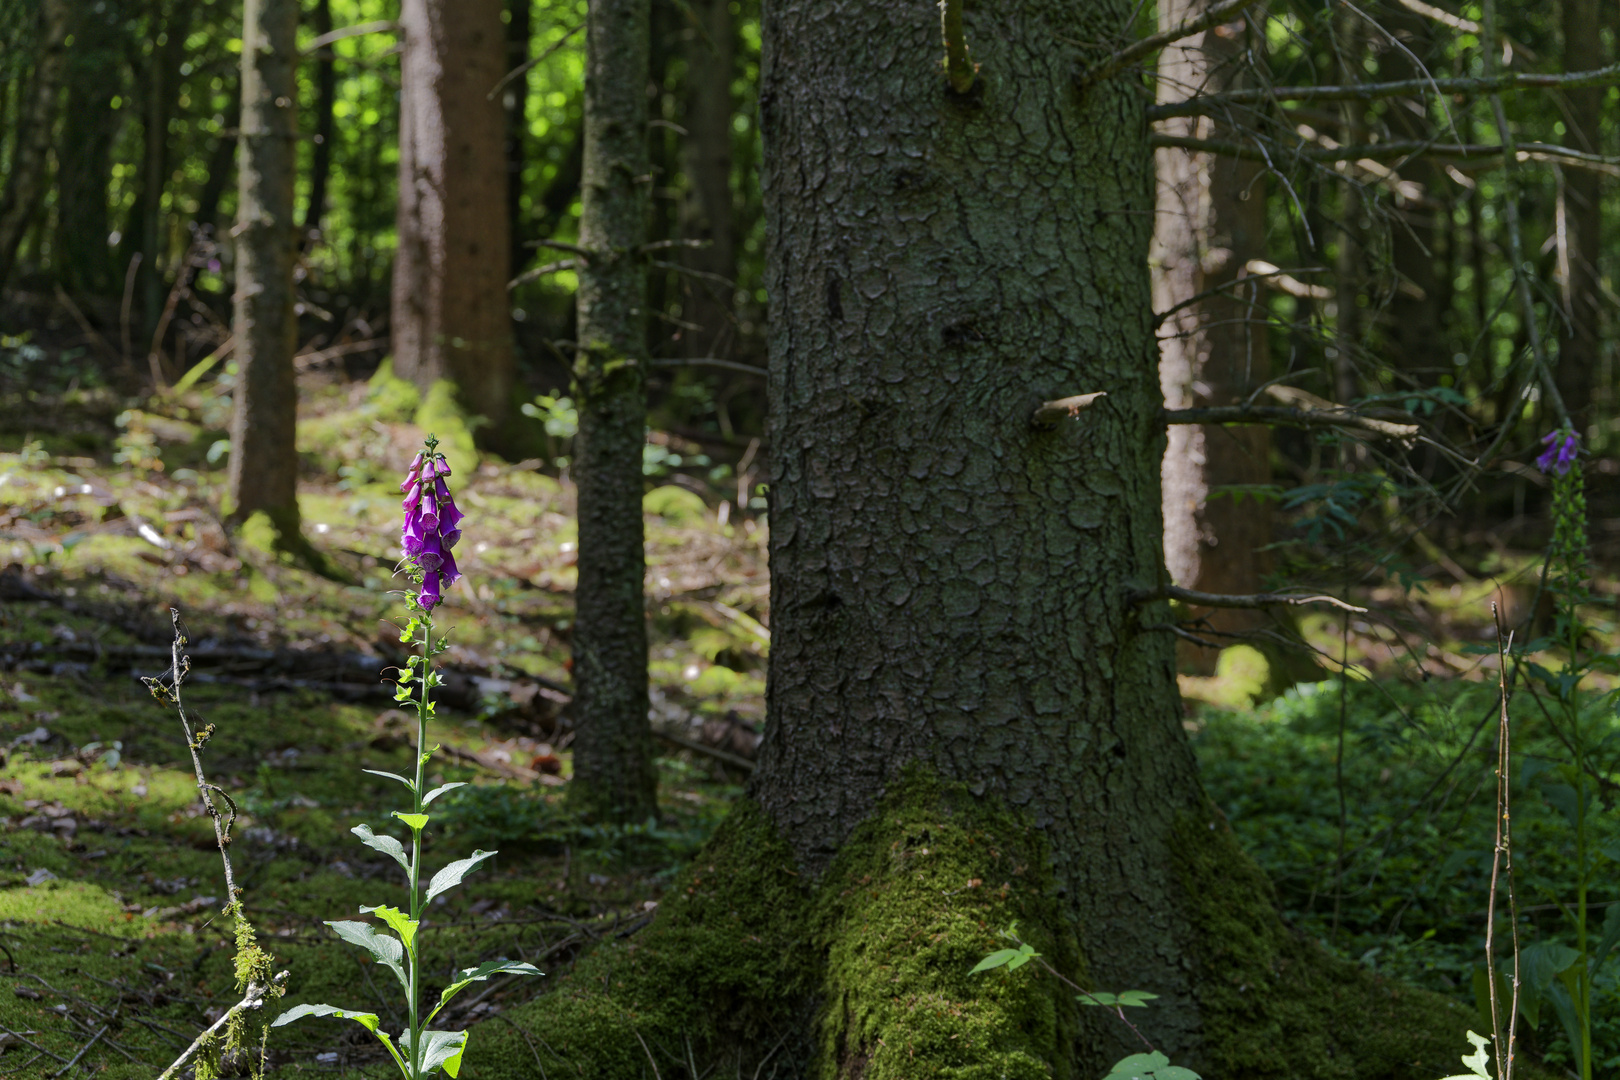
865 974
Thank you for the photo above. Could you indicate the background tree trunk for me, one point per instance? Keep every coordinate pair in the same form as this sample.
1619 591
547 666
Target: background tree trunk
83 163
613 770
320 155
1210 222
1581 343
264 461
451 319
30 161
706 210
515 102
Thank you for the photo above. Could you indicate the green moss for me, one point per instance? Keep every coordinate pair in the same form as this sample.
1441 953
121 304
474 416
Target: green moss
740 955
727 965
1275 1005
441 415
392 399
911 904
675 505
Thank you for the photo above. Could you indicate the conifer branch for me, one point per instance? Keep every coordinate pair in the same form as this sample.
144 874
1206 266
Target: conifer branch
1119 61
1212 104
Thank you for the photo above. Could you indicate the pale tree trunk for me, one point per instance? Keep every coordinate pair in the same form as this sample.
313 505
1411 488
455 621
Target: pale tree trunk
613 771
1210 222
706 211
451 319
264 459
1581 343
30 161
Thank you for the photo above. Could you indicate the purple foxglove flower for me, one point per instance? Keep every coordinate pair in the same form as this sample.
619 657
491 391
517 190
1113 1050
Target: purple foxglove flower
431 527
412 473
1562 448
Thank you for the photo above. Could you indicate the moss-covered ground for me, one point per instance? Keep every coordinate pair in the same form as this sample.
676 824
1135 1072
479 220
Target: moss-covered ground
110 884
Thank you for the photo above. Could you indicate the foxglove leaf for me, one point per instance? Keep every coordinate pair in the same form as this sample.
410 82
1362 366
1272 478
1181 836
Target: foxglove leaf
385 844
440 1049
298 1012
487 969
391 776
415 821
397 920
440 790
451 875
387 950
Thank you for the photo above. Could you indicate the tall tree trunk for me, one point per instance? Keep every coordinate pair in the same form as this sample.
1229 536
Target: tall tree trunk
969 719
1580 345
162 99
613 771
1210 222
221 167
83 164
706 210
451 319
515 101
30 161
264 460
320 155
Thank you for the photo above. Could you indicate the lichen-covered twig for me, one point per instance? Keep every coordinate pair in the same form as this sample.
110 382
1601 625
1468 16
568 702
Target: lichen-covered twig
254 997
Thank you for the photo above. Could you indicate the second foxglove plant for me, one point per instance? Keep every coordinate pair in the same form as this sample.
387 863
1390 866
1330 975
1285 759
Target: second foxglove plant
430 531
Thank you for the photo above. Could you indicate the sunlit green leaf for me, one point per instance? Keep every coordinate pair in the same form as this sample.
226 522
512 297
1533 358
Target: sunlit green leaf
386 949
385 844
451 875
401 924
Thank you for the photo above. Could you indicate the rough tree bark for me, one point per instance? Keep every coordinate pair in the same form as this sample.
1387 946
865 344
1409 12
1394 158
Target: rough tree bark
969 720
264 461
25 180
613 771
706 209
451 320
83 162
1580 344
1210 222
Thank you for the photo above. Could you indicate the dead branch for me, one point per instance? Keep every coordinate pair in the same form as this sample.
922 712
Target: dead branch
1300 408
708 751
1213 104
1050 412
1482 153
1119 61
1253 600
710 361
380 26
254 998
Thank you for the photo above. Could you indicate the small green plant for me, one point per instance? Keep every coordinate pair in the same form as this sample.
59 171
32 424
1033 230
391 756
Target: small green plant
1478 1062
1152 1065
432 527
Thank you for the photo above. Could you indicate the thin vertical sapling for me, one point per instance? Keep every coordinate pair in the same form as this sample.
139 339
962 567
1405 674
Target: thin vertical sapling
253 963
432 527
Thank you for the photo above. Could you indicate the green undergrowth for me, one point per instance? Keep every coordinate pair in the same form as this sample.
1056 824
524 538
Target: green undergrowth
744 953
1418 774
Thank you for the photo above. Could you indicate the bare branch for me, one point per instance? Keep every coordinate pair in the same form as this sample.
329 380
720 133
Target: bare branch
1253 600
1211 104
710 361
381 26
524 67
1482 153
1119 61
1300 408
1051 412
540 271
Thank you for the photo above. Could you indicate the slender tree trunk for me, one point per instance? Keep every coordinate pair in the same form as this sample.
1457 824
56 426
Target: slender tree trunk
83 164
706 210
320 155
1580 344
30 160
221 167
264 461
451 319
515 101
1210 222
1350 278
162 99
613 772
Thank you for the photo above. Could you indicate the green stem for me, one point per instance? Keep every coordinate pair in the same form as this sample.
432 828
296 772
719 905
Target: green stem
422 705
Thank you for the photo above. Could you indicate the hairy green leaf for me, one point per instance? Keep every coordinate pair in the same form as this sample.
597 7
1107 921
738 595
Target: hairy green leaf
387 950
451 875
440 790
401 924
487 969
392 776
385 844
440 1049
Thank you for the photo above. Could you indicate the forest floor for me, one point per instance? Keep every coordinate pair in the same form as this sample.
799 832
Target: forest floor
1368 800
